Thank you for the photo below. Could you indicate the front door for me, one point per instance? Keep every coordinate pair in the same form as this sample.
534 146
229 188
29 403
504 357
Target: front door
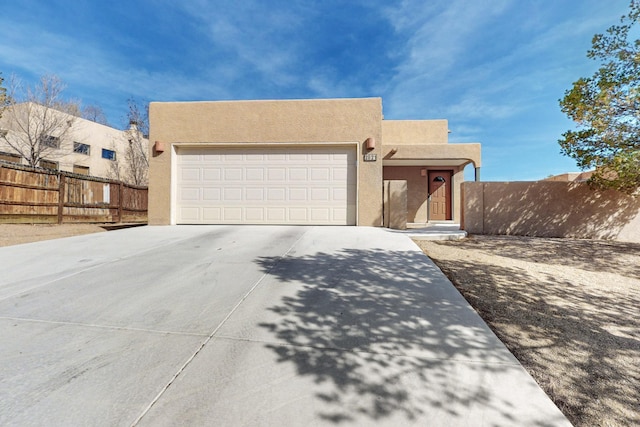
440 195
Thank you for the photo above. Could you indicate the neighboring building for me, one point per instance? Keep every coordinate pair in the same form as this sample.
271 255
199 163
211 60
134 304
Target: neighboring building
86 147
298 162
571 176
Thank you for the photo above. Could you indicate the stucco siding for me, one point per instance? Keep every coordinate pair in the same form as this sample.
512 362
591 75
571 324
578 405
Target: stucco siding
549 209
417 190
294 122
402 132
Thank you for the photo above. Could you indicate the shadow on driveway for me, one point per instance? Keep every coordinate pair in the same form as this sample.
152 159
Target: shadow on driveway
386 334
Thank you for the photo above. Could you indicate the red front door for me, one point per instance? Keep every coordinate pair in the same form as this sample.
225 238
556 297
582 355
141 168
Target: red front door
440 195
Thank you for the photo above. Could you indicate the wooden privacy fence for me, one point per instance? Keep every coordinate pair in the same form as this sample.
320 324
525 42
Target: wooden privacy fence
33 195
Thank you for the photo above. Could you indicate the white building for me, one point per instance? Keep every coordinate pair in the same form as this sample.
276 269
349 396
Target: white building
68 143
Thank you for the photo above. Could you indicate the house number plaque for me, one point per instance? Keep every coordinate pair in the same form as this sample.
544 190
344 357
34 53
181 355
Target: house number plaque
370 157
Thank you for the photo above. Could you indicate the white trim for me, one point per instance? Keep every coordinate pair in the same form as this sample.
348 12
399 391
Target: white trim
173 152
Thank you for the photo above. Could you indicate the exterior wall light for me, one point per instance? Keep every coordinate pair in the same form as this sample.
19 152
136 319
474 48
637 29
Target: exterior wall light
370 143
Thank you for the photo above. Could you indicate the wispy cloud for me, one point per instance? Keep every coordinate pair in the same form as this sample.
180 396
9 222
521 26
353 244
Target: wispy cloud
494 69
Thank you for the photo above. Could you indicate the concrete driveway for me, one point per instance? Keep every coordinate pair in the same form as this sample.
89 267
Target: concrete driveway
245 326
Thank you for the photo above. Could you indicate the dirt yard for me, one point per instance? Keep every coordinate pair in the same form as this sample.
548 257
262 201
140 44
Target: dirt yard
569 310
15 234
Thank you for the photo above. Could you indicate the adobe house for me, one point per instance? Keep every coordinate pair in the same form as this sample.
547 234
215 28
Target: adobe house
298 162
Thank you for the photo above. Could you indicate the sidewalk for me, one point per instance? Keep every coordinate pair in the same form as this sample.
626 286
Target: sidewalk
433 231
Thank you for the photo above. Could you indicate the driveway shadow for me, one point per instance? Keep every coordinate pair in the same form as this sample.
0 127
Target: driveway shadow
378 331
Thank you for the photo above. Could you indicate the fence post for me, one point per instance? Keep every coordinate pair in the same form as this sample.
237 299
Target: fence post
120 200
61 188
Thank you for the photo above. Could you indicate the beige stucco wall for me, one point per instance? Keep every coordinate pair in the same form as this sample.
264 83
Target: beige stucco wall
458 180
549 209
402 132
417 190
460 154
266 122
416 144
395 204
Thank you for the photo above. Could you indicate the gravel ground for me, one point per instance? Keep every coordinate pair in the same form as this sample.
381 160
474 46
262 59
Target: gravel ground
568 309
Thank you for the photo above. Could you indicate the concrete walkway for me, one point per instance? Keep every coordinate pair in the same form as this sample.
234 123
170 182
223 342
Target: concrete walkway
433 231
245 326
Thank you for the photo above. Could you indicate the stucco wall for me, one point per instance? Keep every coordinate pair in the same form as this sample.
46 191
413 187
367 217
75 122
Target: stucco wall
463 153
267 122
458 181
395 204
401 132
417 190
549 209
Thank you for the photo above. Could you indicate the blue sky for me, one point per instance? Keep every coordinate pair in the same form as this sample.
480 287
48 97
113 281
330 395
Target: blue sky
494 68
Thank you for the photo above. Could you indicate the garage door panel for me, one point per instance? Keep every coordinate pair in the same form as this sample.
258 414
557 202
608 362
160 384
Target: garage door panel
298 194
298 174
254 174
232 215
211 194
274 157
276 215
339 214
254 215
232 194
189 194
211 174
276 174
191 158
255 194
306 185
233 174
298 215
190 213
320 214
190 174
340 194
323 157
319 194
212 214
320 174
276 194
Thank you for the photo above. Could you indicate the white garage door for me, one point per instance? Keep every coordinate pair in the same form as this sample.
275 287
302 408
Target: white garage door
308 185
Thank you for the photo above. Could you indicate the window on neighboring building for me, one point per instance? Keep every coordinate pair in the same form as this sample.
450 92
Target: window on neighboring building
81 148
9 157
50 141
82 170
48 164
108 154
